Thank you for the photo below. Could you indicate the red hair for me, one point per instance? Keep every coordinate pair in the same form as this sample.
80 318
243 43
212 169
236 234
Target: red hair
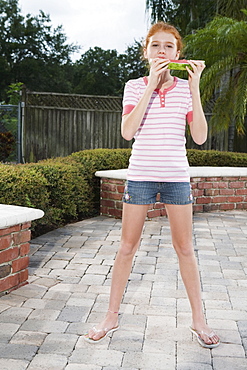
165 27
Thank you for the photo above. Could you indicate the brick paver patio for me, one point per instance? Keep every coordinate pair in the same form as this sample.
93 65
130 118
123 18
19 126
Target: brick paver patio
41 324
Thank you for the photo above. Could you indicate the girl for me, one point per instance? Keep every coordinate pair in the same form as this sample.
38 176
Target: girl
155 110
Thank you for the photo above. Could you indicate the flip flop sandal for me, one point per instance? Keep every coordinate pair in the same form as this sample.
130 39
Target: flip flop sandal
201 341
105 331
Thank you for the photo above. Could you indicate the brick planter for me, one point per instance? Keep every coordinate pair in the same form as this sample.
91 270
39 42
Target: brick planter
214 188
15 234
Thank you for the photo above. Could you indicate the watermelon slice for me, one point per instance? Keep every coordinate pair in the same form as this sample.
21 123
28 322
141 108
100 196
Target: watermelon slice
180 64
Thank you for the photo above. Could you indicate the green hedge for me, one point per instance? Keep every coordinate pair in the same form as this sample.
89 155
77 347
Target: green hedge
90 161
216 158
66 188
70 196
21 187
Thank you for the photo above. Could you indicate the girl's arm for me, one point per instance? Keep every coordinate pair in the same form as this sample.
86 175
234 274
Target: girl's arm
199 126
131 121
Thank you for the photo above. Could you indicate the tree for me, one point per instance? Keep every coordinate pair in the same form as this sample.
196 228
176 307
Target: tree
190 15
105 72
222 43
13 93
31 50
223 46
231 8
186 15
97 73
132 62
159 9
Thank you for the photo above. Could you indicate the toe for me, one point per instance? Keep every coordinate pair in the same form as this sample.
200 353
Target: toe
90 334
98 333
206 339
215 339
209 338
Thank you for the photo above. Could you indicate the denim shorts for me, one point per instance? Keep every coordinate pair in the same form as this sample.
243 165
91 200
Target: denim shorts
145 192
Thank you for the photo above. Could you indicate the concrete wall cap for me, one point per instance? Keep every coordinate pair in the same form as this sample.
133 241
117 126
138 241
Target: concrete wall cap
193 171
14 215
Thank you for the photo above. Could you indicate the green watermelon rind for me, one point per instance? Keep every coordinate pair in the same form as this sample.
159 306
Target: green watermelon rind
179 66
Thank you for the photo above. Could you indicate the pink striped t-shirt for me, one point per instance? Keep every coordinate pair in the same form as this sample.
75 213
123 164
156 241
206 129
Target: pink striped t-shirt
158 152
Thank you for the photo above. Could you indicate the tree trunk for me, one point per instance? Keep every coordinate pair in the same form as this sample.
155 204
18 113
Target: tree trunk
231 135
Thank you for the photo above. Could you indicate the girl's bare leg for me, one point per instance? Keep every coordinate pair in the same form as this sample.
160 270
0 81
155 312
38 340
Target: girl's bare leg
132 224
180 218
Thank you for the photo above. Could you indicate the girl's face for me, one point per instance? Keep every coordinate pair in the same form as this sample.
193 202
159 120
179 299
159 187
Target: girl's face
162 45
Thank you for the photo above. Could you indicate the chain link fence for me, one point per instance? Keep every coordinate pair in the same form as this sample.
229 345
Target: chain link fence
10 147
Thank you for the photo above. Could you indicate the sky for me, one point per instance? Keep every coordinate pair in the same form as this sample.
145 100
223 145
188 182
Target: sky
108 24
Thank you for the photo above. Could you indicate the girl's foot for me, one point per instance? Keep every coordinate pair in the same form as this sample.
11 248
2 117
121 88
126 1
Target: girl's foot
106 327
205 336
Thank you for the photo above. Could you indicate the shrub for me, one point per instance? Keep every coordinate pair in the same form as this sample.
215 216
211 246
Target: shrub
66 188
216 158
70 197
23 188
102 159
90 161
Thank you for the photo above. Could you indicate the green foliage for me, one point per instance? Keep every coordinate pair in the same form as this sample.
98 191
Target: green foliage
159 9
59 189
7 141
67 190
214 158
104 72
232 8
19 186
32 51
87 162
69 194
132 62
222 43
13 93
22 187
97 72
189 15
9 123
102 159
185 15
97 160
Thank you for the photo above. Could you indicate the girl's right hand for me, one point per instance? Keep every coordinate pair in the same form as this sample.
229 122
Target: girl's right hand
157 67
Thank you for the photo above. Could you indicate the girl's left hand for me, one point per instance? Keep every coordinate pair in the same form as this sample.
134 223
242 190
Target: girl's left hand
195 74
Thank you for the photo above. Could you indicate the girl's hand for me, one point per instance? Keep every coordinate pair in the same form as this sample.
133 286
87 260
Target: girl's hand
195 75
157 67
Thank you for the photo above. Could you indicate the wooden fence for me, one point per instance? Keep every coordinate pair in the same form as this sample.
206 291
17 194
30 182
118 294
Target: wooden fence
55 125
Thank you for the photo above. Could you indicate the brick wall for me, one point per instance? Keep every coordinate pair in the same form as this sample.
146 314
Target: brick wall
14 260
210 194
